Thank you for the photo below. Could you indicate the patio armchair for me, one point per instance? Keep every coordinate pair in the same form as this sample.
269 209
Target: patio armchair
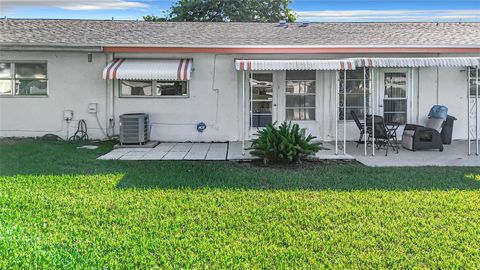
360 126
384 137
416 137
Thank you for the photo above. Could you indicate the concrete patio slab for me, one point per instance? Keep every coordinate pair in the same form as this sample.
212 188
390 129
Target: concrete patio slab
164 147
198 151
131 157
235 151
217 151
150 144
181 147
154 155
454 154
329 153
174 155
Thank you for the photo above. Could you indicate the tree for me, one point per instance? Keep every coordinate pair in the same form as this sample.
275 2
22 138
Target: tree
153 18
228 10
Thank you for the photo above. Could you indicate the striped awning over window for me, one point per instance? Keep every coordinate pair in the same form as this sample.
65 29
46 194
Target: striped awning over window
149 69
419 62
294 64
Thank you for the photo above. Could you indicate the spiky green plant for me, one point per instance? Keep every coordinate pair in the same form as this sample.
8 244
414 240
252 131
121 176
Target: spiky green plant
287 143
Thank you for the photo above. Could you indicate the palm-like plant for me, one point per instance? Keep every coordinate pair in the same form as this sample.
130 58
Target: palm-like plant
286 143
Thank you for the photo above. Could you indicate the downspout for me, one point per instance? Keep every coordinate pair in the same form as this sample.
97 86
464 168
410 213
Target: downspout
109 100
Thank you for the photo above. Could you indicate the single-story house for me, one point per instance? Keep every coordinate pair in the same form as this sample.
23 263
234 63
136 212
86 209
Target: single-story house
233 77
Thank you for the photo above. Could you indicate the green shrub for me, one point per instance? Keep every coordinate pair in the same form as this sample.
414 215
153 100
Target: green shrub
286 143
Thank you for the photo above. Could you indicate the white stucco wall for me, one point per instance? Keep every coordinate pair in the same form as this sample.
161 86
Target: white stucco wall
209 101
74 82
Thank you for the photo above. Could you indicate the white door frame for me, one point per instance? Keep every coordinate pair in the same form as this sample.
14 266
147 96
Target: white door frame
251 131
380 91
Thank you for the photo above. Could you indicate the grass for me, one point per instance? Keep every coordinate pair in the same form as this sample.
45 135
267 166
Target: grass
61 208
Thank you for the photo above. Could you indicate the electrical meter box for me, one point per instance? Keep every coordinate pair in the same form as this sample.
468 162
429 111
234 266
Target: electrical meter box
67 115
92 107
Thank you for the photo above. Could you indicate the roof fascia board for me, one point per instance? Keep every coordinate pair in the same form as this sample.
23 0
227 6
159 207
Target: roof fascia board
273 50
51 48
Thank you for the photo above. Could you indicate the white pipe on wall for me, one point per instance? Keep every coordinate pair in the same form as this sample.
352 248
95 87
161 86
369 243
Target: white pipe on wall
468 111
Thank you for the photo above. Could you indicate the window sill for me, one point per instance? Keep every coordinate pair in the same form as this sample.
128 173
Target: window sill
302 121
24 96
154 97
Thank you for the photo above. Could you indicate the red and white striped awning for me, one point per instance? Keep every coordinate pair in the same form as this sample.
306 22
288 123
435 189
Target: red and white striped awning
295 64
149 69
419 62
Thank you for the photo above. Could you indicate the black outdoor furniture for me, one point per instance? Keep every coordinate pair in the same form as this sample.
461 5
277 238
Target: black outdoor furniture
447 130
360 126
384 137
416 137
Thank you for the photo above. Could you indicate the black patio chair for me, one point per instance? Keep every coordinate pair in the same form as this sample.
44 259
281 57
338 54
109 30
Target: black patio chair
360 126
384 137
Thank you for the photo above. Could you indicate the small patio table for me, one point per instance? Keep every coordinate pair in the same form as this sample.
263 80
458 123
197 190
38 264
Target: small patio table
392 128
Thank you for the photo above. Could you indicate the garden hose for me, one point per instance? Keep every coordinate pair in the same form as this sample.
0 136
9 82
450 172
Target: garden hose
81 133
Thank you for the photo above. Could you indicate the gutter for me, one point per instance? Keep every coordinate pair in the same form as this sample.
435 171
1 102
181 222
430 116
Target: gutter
63 48
270 49
292 49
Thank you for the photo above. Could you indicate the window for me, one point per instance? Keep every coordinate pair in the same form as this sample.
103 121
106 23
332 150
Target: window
395 97
136 88
6 83
23 79
300 95
473 82
175 88
354 93
132 88
261 99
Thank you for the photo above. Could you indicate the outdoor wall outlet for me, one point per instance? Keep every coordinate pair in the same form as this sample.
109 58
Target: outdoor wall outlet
67 115
92 107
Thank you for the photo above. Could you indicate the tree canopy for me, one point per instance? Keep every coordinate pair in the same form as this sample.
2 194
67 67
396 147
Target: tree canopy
227 10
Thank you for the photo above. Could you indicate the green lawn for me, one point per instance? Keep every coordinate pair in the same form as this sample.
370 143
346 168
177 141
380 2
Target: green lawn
61 208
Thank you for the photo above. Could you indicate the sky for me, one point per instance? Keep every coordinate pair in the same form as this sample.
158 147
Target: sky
306 10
